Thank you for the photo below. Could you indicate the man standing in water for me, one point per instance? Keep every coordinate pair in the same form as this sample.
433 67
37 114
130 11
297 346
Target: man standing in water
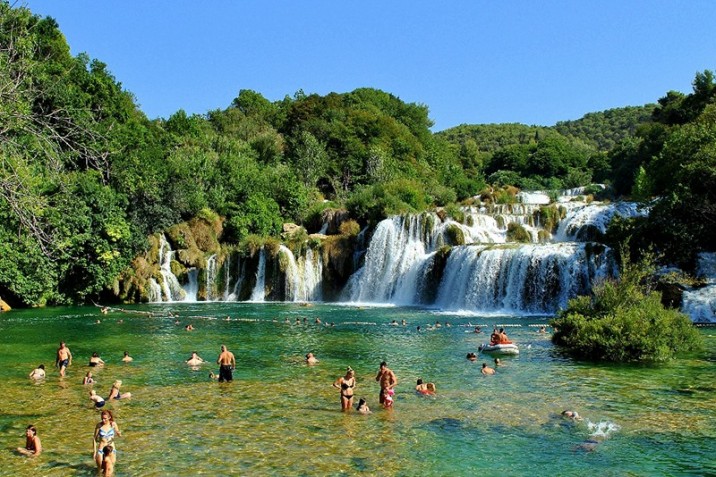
386 378
64 358
227 363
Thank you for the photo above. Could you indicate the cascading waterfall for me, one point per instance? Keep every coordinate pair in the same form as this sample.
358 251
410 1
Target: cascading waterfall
293 277
210 277
406 262
312 267
240 271
518 279
303 277
155 291
227 278
259 292
700 304
172 290
191 289
396 246
597 216
512 278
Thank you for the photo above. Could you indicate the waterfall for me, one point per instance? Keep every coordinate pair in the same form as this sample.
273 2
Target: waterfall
234 295
510 278
580 220
312 266
395 248
227 278
191 289
155 291
210 277
259 291
303 277
518 279
293 277
172 290
700 304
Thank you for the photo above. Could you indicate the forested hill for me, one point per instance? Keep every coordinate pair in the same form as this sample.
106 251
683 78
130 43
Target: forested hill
606 129
86 177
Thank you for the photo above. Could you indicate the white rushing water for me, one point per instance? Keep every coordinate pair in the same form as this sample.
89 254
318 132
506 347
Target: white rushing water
259 292
700 304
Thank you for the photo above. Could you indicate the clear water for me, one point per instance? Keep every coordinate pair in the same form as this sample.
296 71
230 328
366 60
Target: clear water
282 417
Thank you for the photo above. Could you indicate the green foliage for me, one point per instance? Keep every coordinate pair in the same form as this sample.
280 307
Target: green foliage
606 129
624 321
259 215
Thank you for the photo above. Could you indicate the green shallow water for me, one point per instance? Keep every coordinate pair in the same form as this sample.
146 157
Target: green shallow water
282 417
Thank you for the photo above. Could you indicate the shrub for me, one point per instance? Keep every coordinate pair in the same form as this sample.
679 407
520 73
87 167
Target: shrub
624 321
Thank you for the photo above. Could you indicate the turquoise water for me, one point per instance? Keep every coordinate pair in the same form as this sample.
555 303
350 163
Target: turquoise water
282 417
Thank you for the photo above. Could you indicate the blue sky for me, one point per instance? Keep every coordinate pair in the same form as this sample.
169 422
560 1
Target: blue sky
470 62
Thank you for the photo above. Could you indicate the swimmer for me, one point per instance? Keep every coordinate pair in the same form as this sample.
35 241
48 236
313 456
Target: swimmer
425 388
195 360
404 323
115 394
571 415
64 358
88 379
471 356
542 330
498 362
486 370
127 358
95 360
189 327
318 321
38 373
362 407
104 310
33 446
478 330
393 323
310 359
97 399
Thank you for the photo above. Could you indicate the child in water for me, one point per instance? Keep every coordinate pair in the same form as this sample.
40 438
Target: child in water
108 460
389 398
363 407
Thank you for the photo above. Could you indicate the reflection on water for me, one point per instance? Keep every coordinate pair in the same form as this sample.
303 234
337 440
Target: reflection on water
280 416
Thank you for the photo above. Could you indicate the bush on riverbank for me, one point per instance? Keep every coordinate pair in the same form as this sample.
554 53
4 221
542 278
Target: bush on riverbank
624 321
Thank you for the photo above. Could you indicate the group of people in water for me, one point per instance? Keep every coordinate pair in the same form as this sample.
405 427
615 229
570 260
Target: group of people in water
104 451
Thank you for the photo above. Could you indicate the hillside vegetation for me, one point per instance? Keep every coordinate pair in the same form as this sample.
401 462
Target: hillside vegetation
86 177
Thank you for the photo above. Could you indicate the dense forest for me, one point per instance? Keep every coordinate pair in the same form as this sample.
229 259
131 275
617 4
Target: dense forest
86 177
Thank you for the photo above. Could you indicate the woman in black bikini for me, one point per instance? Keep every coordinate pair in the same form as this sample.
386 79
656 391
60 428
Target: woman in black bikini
346 384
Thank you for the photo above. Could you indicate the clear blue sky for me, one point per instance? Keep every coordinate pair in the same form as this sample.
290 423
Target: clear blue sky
469 61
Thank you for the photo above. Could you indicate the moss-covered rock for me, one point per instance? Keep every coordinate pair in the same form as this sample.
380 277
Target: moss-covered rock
454 235
517 233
